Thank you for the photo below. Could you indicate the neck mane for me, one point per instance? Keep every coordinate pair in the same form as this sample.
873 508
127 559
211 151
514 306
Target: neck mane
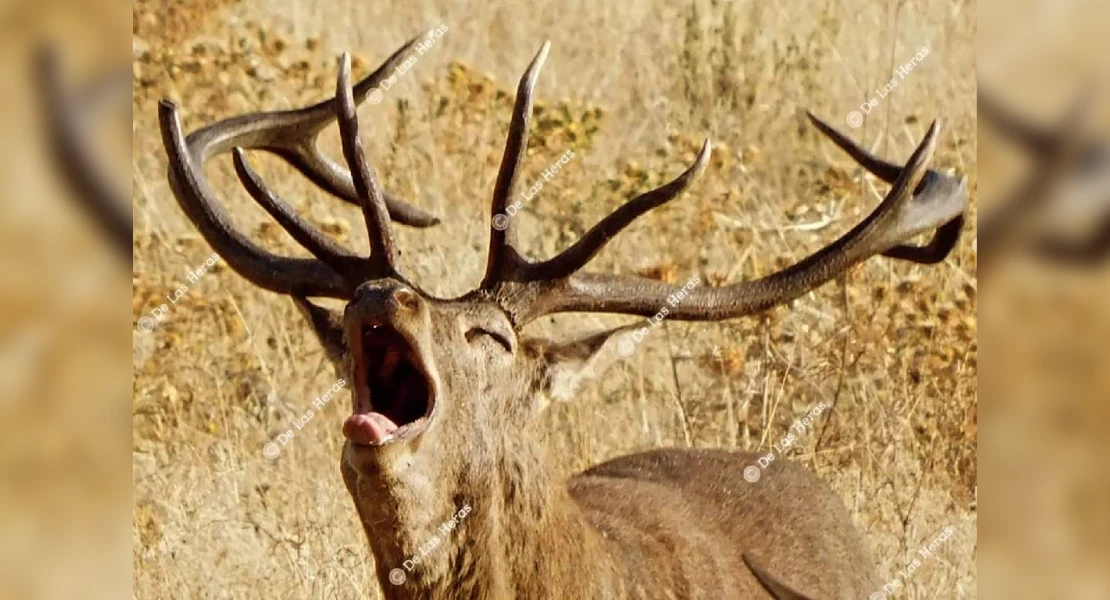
507 530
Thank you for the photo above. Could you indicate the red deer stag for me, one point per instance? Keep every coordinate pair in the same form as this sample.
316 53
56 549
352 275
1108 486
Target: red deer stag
446 392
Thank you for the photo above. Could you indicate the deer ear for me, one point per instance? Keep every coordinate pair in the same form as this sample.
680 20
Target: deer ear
569 364
328 325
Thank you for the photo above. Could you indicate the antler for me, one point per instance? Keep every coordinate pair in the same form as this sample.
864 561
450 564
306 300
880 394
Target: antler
920 200
69 111
505 263
292 135
1063 156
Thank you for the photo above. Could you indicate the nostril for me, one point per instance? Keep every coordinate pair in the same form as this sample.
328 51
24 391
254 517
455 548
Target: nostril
406 298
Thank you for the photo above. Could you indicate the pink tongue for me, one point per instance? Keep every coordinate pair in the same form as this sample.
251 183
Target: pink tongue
372 428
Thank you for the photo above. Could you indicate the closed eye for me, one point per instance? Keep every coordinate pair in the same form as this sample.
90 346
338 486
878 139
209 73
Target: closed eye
478 333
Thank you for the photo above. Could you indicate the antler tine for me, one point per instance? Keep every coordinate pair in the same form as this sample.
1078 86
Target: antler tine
292 135
1033 138
336 180
352 267
576 257
306 277
900 215
1042 142
878 167
366 185
936 250
502 244
1059 152
67 115
947 235
1085 253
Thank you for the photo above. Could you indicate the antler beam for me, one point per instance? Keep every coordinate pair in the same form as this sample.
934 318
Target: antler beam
920 200
901 215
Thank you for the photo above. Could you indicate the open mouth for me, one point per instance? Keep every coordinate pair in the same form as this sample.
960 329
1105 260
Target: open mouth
393 394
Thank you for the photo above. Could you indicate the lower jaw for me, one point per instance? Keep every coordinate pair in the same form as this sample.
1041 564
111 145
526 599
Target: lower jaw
374 430
380 468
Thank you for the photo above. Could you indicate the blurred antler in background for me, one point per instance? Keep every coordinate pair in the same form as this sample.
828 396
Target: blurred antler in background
65 460
1061 210
68 112
1044 321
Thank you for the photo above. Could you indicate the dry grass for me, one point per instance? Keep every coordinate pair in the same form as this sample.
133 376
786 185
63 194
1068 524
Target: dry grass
632 88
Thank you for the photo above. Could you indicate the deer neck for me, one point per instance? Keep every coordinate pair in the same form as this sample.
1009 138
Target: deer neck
508 529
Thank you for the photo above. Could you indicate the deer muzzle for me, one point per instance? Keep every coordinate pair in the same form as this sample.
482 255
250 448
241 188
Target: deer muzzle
394 391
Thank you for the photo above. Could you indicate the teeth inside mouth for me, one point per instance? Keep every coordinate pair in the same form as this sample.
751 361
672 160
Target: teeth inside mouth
392 393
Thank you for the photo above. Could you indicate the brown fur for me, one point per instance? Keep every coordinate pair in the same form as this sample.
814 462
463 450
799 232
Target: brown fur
669 523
